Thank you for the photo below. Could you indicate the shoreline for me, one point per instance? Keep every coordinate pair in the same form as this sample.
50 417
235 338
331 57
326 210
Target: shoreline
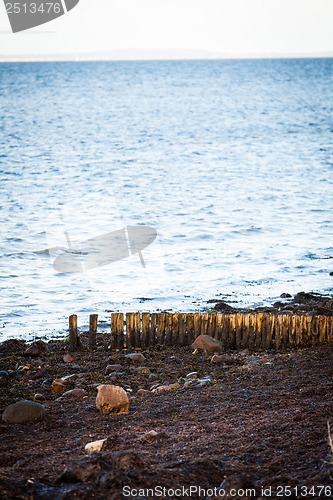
239 417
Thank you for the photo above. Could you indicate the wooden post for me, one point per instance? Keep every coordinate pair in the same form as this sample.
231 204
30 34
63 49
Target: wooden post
153 328
190 328
238 327
120 331
232 331
218 326
160 334
246 329
74 341
323 327
182 330
204 324
175 329
168 329
269 331
137 329
117 331
92 330
130 330
145 339
197 321
259 331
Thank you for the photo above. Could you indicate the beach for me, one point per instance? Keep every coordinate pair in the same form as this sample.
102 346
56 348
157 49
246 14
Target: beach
241 420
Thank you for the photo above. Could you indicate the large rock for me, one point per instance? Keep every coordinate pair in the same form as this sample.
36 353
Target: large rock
112 399
207 343
24 412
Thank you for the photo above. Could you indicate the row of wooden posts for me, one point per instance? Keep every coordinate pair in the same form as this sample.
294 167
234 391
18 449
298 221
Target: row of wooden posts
235 331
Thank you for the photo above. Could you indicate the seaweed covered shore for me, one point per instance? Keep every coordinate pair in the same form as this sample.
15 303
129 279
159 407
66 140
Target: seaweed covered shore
242 421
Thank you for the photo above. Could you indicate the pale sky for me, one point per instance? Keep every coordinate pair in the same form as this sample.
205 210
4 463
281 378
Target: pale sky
218 26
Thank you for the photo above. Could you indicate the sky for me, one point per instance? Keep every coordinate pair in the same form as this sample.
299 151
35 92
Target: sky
217 27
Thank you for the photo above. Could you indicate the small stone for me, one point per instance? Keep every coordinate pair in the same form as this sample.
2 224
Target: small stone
207 343
141 369
285 295
4 374
58 386
154 386
164 388
39 397
142 392
136 357
217 359
68 358
201 382
75 393
152 436
32 350
36 349
192 375
95 446
112 399
113 368
24 412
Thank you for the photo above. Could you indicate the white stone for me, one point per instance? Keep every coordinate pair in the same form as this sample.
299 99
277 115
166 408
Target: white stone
95 445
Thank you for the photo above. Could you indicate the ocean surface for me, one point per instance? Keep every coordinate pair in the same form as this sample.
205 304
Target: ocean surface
230 162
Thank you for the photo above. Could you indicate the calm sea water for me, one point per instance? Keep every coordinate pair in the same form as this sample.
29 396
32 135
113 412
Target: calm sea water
229 161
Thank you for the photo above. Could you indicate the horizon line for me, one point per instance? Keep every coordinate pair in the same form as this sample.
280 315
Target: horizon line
158 55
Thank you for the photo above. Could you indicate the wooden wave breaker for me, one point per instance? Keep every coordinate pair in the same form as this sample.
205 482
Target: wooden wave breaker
253 331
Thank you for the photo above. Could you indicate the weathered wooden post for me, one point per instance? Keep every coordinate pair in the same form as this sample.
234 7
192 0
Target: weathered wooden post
92 330
74 341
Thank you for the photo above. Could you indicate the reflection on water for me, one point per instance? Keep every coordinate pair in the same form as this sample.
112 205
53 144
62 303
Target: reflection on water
230 162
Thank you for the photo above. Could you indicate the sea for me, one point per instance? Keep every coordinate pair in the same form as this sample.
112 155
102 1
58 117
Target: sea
226 164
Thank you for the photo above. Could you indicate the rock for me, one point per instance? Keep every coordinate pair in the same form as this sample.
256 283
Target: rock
141 369
33 350
192 375
75 393
4 374
113 368
58 386
68 358
39 397
95 446
217 359
285 296
149 435
152 437
112 399
200 382
136 357
222 306
24 412
164 388
207 343
142 392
